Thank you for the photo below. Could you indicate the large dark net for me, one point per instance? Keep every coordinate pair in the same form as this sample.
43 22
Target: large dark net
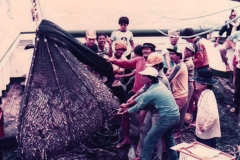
63 103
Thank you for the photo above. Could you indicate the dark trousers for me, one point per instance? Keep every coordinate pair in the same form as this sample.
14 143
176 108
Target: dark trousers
130 94
237 91
209 142
119 92
203 67
165 70
130 84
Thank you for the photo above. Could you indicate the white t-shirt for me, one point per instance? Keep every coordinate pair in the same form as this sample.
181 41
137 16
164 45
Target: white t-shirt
125 36
208 116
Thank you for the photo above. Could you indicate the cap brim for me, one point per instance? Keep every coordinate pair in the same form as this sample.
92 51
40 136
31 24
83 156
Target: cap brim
172 50
149 65
92 37
148 46
211 82
190 49
143 73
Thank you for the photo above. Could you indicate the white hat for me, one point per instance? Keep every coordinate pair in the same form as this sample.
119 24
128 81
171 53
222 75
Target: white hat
91 34
149 71
153 59
191 47
174 32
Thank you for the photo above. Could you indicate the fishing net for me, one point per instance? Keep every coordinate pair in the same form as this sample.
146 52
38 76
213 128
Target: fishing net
64 103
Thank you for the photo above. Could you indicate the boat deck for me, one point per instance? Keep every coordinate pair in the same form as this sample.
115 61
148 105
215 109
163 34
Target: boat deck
230 123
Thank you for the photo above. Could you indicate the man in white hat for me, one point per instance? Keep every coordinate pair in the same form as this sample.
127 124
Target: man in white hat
138 64
158 95
90 40
154 60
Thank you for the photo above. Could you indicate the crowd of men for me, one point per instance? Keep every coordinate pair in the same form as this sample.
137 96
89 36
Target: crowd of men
163 87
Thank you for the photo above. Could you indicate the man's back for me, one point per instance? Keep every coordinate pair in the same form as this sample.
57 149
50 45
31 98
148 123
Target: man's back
179 83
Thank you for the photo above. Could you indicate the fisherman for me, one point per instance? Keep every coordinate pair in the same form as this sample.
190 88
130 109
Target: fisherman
207 122
90 40
118 90
188 55
228 44
154 60
158 95
124 34
178 79
138 64
200 59
174 37
137 53
236 82
103 50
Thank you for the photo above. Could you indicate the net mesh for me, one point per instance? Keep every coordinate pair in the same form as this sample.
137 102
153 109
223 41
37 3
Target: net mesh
63 103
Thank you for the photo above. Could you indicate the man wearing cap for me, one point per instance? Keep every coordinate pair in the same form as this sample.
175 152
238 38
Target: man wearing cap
90 40
124 34
228 44
138 64
158 95
178 79
188 55
173 36
154 60
207 122
200 59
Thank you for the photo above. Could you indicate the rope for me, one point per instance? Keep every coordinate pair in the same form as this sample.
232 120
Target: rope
193 17
202 33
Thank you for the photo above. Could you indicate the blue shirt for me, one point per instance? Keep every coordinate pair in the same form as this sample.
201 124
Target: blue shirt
158 95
